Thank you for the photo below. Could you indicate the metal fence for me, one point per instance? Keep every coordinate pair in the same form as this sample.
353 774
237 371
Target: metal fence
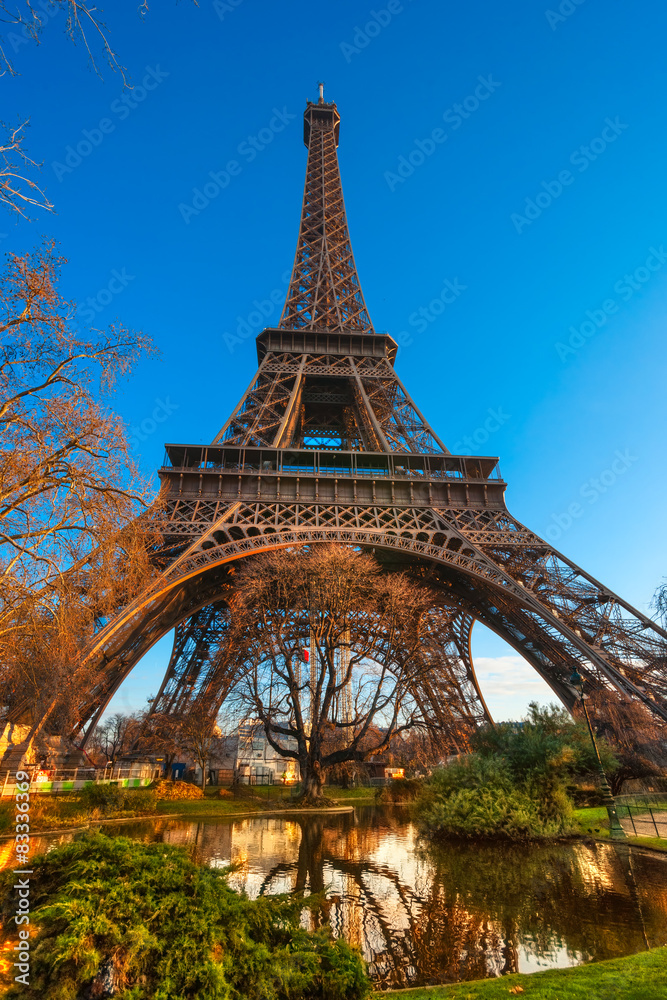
65 779
256 777
643 815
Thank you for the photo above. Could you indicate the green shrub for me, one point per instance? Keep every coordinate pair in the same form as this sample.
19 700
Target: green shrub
468 772
108 798
548 742
483 812
147 923
111 799
481 796
516 782
140 800
585 797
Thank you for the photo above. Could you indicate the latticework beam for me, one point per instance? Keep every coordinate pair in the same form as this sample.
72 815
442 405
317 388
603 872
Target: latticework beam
324 291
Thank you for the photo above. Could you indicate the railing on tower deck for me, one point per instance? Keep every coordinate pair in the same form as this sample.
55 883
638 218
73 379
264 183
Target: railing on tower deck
218 459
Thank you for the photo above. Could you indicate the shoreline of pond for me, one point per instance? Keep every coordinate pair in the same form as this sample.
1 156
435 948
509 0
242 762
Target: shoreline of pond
214 810
647 968
150 817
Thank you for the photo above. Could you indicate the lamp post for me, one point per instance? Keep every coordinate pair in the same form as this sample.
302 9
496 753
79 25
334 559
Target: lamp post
615 828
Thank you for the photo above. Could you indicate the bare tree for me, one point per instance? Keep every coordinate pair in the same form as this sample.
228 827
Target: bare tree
364 631
43 667
115 735
25 20
192 734
422 749
66 473
18 192
659 603
71 549
636 737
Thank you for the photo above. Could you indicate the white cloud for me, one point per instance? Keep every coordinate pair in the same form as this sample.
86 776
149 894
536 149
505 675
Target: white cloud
509 684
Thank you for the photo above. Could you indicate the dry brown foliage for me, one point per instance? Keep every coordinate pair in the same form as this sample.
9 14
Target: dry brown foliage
176 791
637 737
71 549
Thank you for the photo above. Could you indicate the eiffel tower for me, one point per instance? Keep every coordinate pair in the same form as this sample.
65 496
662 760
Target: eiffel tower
327 445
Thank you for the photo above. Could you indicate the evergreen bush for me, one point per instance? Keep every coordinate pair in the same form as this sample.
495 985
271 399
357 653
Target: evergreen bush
477 797
137 921
108 798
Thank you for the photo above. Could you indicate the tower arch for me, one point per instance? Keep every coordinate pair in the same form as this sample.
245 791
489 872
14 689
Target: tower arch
328 445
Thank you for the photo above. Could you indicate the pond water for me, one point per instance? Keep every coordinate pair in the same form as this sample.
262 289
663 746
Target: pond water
425 915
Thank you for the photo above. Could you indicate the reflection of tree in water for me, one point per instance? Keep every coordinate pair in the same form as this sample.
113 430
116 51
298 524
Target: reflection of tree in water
367 902
579 897
465 911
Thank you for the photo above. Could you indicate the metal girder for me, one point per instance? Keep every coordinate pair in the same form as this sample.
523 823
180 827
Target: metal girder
190 665
448 697
628 653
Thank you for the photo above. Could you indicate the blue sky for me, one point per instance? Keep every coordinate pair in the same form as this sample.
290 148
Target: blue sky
541 198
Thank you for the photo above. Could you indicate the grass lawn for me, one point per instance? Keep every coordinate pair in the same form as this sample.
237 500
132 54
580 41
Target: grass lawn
60 812
209 806
349 795
63 811
595 823
639 977
657 843
47 812
256 798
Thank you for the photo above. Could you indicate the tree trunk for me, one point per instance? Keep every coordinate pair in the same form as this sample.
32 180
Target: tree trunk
616 781
312 780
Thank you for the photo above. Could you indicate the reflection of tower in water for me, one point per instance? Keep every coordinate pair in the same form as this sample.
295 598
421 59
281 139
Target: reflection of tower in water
346 909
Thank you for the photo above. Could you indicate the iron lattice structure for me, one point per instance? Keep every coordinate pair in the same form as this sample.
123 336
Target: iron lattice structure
324 291
327 445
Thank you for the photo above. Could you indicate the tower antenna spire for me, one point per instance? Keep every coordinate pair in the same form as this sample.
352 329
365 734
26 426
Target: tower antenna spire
321 86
